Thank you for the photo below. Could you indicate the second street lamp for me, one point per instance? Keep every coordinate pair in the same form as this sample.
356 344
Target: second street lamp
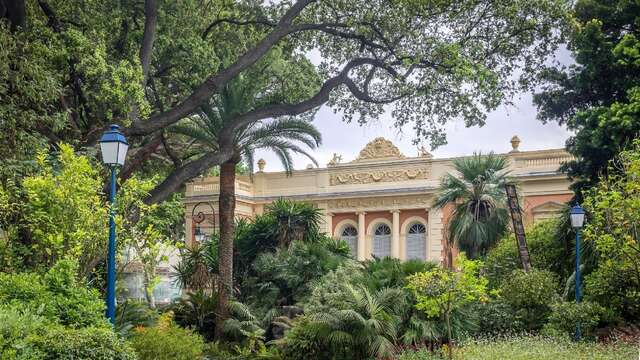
113 146
577 221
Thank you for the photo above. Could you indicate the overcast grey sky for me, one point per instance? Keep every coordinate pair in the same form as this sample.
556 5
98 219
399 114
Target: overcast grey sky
518 119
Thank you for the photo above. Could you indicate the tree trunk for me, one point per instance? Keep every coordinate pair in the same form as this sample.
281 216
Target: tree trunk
15 12
446 315
227 207
148 289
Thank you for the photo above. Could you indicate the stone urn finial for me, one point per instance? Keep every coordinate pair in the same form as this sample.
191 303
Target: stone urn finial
515 142
261 164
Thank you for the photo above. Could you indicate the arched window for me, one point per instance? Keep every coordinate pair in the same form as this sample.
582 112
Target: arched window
416 242
382 241
350 236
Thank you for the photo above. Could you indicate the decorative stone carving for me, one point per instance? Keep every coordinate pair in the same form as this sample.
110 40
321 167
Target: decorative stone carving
380 203
422 152
378 176
335 160
515 143
379 148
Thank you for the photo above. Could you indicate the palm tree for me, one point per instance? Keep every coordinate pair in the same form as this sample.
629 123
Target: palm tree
366 326
478 195
297 221
283 136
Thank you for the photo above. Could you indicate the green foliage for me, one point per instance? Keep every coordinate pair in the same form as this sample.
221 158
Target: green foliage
196 311
167 341
25 335
441 291
597 97
295 220
547 248
614 217
133 313
218 351
479 216
496 317
390 272
531 348
531 294
62 211
56 296
364 325
284 277
565 315
146 231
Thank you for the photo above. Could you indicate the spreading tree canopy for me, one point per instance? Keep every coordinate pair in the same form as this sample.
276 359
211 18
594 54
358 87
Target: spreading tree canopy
598 97
70 67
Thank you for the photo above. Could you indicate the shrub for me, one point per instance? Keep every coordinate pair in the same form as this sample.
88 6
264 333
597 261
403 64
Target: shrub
390 272
565 315
57 296
496 317
86 343
531 294
547 249
24 335
283 278
167 341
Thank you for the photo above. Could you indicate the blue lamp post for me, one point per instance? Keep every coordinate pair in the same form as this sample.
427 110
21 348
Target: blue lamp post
113 146
577 221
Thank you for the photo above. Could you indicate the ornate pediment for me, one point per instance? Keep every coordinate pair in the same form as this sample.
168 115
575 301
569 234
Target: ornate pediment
379 148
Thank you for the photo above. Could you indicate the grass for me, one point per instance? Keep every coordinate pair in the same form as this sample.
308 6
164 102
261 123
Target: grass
534 348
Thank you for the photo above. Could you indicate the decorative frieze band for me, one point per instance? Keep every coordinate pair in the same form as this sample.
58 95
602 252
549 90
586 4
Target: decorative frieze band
379 176
380 203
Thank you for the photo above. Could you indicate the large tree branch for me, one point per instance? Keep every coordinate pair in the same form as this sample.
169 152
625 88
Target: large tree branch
206 32
316 100
140 156
203 92
148 36
185 173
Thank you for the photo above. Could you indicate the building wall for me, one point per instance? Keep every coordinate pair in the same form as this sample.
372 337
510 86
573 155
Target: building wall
383 185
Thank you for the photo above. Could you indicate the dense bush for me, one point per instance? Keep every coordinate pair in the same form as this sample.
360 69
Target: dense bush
496 317
24 335
565 315
614 218
167 341
56 295
531 294
282 278
547 248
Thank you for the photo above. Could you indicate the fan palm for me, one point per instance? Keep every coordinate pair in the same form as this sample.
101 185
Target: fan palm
297 221
365 327
478 194
283 136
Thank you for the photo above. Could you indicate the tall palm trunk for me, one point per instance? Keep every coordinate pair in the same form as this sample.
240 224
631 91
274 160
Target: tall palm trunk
227 207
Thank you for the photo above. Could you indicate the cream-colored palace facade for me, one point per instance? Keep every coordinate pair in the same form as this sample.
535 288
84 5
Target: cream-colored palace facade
381 202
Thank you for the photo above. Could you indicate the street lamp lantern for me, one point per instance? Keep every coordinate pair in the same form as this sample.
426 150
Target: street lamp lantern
113 146
577 222
577 216
199 235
